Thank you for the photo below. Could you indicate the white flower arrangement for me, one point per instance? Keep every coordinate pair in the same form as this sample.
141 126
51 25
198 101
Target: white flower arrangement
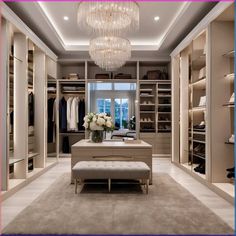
99 121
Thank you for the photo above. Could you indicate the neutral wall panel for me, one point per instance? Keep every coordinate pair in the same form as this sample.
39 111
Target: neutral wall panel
3 105
184 106
175 101
20 101
40 86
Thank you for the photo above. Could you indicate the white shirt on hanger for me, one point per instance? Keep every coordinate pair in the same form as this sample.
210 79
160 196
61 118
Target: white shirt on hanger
68 111
74 118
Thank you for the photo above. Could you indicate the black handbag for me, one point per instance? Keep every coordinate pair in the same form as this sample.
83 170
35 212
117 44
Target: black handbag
164 75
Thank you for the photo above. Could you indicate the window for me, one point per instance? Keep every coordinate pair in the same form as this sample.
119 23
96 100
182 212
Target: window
115 99
121 112
104 105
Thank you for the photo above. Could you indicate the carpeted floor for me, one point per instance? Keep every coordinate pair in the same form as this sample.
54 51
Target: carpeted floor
167 209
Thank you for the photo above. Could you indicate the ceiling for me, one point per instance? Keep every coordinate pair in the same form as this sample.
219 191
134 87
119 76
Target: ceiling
66 39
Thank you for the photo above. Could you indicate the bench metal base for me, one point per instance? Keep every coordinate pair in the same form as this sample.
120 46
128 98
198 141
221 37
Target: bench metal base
144 182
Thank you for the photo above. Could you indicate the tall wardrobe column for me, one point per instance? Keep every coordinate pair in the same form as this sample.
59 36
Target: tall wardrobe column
40 107
175 108
20 104
184 106
3 105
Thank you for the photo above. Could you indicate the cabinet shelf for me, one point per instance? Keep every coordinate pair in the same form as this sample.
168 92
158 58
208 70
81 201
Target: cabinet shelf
145 90
32 155
154 81
163 112
230 104
201 108
112 81
143 112
146 96
72 92
199 132
229 143
199 84
164 105
164 90
199 141
69 81
146 121
147 104
164 96
199 156
15 160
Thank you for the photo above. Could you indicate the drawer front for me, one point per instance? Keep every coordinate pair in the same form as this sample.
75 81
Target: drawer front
128 153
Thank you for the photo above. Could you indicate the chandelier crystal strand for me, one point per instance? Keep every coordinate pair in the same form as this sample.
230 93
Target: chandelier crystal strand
110 52
109 18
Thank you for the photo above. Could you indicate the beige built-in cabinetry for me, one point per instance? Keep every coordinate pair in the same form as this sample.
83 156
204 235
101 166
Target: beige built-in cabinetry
29 66
152 100
26 62
203 104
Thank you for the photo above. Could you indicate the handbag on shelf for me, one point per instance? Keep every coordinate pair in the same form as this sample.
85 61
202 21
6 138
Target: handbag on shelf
123 76
164 75
102 76
154 75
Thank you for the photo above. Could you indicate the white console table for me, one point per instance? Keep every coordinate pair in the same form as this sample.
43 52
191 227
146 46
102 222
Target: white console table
85 150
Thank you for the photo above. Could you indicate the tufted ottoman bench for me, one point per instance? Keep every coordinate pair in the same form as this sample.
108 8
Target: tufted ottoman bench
111 170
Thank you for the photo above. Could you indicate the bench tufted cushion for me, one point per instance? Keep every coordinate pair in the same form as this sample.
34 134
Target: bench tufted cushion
110 170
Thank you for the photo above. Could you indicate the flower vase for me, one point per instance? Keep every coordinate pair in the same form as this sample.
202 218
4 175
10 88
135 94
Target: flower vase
97 136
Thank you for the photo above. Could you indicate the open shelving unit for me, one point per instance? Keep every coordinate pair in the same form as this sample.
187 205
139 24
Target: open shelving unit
203 71
155 106
70 87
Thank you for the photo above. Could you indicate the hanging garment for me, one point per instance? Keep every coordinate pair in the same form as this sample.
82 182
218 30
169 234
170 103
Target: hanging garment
74 116
51 121
65 145
81 111
63 115
68 113
31 109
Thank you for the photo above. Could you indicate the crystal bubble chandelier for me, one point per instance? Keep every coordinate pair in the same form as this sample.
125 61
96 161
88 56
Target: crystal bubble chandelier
110 52
109 18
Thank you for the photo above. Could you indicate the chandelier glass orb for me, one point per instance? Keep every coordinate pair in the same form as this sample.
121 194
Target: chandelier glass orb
109 18
110 52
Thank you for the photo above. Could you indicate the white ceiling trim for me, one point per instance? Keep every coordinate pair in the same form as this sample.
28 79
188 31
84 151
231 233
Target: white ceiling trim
202 25
9 15
82 46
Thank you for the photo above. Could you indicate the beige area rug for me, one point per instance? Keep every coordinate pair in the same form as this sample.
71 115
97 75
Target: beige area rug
167 209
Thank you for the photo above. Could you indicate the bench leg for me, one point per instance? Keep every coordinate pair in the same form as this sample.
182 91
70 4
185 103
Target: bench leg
109 185
76 185
147 183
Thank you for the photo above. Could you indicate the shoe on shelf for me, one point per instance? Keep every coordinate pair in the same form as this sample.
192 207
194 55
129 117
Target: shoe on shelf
149 119
202 101
230 175
200 126
167 127
231 139
230 169
145 119
197 148
231 100
200 168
